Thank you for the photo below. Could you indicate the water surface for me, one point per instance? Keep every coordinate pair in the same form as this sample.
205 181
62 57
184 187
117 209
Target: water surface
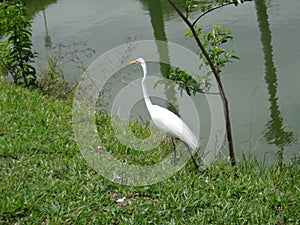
262 87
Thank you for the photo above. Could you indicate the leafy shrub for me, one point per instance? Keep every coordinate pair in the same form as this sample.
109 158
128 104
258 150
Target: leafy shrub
16 54
51 80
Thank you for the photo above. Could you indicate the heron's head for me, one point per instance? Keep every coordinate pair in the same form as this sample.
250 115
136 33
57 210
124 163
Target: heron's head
140 61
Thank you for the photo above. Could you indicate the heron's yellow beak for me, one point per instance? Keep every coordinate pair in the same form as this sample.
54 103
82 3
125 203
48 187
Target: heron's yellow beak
133 62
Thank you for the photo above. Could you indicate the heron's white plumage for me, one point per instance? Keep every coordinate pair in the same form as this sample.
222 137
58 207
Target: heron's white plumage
166 120
171 124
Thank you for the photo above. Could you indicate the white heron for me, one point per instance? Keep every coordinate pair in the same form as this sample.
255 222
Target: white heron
168 121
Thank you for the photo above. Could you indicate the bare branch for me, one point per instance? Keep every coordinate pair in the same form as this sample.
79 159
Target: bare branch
210 10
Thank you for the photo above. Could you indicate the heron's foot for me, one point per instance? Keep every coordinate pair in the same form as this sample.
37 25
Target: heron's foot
199 169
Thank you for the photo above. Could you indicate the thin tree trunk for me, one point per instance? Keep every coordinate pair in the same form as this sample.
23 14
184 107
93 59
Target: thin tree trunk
217 77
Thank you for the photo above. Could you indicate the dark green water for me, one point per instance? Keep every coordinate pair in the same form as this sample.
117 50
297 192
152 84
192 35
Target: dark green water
262 87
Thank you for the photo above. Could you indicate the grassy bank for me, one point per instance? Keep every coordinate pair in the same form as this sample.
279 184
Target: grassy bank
45 180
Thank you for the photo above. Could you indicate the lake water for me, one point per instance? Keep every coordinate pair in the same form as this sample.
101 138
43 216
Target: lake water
262 87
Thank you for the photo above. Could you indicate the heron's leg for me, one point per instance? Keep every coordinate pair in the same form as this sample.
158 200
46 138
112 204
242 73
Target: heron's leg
174 149
194 161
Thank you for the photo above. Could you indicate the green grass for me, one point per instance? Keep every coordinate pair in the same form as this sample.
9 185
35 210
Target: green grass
45 180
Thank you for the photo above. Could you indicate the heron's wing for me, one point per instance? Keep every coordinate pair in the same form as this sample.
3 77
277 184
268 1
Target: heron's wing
171 124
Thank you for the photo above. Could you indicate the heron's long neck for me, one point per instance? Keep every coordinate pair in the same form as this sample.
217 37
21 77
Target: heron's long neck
146 96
